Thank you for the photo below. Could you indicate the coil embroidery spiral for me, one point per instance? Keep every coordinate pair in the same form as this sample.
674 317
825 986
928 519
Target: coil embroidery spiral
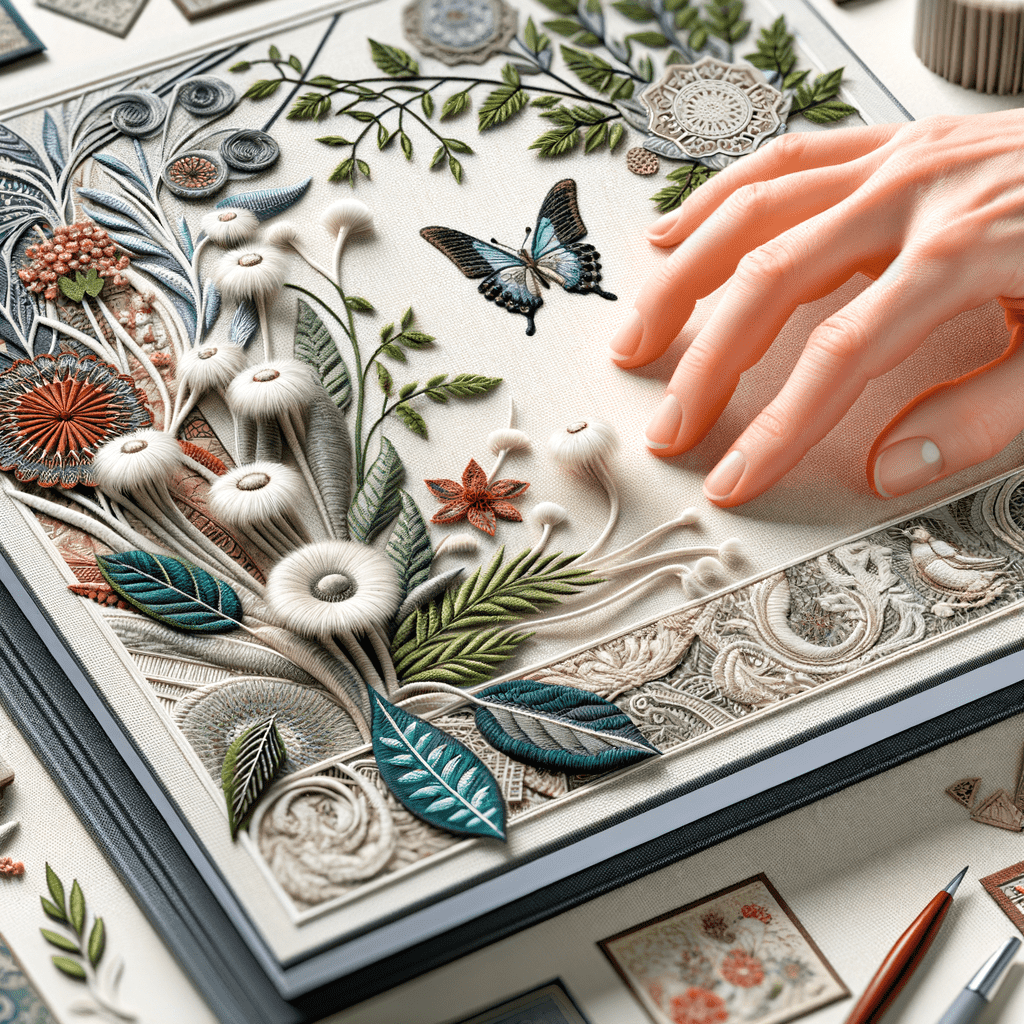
206 96
137 113
250 150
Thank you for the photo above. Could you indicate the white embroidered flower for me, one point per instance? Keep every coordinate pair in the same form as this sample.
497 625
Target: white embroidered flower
548 513
284 234
272 389
334 587
348 217
583 445
230 225
255 495
254 273
210 367
136 460
508 439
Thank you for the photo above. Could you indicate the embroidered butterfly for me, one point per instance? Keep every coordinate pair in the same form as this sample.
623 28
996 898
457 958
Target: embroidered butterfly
514 279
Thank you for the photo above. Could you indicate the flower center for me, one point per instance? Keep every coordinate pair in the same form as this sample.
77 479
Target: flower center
227 215
335 586
575 428
266 375
208 353
250 259
133 447
253 482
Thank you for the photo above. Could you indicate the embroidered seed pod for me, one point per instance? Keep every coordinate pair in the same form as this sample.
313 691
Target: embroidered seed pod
135 461
211 367
272 390
250 151
206 96
229 226
642 161
197 174
333 588
136 113
256 273
56 411
581 446
254 495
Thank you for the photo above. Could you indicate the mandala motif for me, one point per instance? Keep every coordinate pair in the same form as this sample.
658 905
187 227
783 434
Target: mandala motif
713 107
460 31
55 411
195 175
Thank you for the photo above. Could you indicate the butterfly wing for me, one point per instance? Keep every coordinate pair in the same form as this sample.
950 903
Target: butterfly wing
506 280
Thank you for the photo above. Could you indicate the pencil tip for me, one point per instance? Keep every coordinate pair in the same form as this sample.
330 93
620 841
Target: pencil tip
952 887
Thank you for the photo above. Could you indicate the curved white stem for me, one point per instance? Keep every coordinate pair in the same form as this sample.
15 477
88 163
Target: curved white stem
122 526
288 430
197 467
688 517
136 350
660 556
313 264
545 536
117 357
498 463
79 520
261 310
103 351
359 658
600 470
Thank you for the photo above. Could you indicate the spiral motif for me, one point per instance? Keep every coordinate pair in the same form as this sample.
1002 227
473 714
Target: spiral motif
196 174
250 150
206 96
137 113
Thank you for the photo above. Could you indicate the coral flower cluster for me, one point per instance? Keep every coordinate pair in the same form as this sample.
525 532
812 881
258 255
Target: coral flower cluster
81 246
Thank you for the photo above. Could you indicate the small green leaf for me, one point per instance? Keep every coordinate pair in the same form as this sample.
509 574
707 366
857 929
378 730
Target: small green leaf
386 331
393 61
622 89
97 941
594 137
615 135
635 11
408 389
456 168
76 907
455 104
394 352
295 63
250 764
438 156
52 910
434 381
457 146
262 88
502 104
334 140
345 171
563 26
53 883
589 68
586 39
653 39
384 379
510 75
417 339
323 81
70 967
358 305
366 116
364 168
437 396
383 136
545 101
465 385
427 102
412 420
274 53
406 144
560 6
60 941
828 112
698 39
407 318
242 65
311 106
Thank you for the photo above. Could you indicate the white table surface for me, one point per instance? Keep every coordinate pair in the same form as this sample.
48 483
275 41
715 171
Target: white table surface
855 867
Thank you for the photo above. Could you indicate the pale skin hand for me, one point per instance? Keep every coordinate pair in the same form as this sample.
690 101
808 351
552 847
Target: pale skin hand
934 210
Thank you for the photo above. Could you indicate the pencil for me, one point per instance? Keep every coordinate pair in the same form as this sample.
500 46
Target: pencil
904 957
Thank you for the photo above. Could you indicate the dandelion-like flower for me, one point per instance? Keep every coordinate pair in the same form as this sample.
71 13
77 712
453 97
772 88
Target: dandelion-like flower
507 439
581 446
135 461
272 389
548 513
255 495
348 217
254 273
210 367
331 588
284 234
230 226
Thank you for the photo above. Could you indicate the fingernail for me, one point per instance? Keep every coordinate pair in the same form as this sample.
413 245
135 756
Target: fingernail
907 465
721 481
664 425
662 224
627 340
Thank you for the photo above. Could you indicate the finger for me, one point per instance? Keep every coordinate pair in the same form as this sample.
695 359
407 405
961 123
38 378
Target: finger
794 151
750 217
799 266
872 334
952 426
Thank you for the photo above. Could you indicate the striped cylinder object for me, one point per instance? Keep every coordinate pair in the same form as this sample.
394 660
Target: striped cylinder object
978 44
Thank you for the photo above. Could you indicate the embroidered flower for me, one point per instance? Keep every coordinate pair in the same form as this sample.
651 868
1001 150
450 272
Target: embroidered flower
715 926
11 868
460 31
211 367
56 411
132 462
272 389
230 226
256 273
583 446
476 500
741 969
195 175
255 494
71 250
698 1006
755 910
333 587
795 971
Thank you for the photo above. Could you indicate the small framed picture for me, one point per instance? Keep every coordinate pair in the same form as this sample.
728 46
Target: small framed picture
1006 887
737 955
549 1004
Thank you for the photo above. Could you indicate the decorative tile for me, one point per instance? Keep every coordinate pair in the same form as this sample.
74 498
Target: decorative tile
114 16
20 1001
964 791
1006 887
16 38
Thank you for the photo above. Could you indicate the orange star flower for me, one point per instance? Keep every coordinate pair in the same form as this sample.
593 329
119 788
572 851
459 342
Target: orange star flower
476 500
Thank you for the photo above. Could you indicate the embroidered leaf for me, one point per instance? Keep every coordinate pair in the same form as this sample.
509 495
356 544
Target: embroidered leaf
828 112
261 89
345 171
468 659
60 941
14 147
70 967
427 102
182 596
589 68
465 385
505 102
53 883
455 104
358 305
211 305
652 39
615 134
415 339
52 910
187 245
407 318
409 546
51 142
90 284
725 19
433 775
545 101
412 420
76 907
97 941
384 379
250 764
334 140
561 6
245 324
268 202
378 501
563 26
456 168
407 390
315 347
635 11
273 52
393 61
295 63
310 106
685 180
559 728
775 50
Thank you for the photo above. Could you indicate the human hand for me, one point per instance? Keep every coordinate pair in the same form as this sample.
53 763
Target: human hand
934 210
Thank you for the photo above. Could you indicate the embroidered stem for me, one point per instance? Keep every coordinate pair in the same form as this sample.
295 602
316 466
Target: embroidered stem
288 432
359 659
261 310
600 470
380 646
687 517
140 354
660 556
59 327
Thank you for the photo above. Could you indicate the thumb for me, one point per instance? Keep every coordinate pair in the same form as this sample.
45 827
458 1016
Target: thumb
955 425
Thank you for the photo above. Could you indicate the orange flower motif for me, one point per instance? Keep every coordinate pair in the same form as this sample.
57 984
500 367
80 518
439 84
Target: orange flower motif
755 910
476 500
699 1006
11 868
741 969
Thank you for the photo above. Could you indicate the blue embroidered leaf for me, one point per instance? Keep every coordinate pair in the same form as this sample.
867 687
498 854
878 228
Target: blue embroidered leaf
268 202
143 164
433 775
315 346
116 204
137 245
378 501
250 764
15 148
559 728
22 203
211 306
168 274
245 324
182 596
119 169
51 142
187 245
409 546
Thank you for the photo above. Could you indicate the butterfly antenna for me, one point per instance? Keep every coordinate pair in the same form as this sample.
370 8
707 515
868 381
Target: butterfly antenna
526 237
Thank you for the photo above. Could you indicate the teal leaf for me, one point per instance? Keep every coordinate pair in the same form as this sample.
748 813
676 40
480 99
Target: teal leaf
378 502
187 245
51 142
181 596
268 202
315 347
250 764
559 728
409 546
433 775
245 324
211 305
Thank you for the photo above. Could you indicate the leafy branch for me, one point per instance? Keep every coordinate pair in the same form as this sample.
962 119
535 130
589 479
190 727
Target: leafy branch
776 53
818 103
685 180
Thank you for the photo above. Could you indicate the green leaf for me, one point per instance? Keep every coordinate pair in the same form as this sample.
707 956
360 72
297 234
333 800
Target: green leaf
434 381
532 37
594 137
409 547
69 967
775 49
384 379
437 396
364 168
323 81
654 39
794 79
724 18
383 136
262 88
510 75
406 144
503 103
622 89
52 910
828 112
560 6
76 907
465 385
60 941
586 39
182 596
393 351
615 134
53 883
697 40
684 180
468 658
366 116
407 318
241 65
545 101
316 348
457 146
345 171
393 61
557 141
437 157
90 284
456 168
311 106
274 53
646 68
407 389
97 941
386 331
427 103
417 339
589 68
433 775
563 26
378 502
635 11
334 140
358 305
294 62
455 104
412 420
250 764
